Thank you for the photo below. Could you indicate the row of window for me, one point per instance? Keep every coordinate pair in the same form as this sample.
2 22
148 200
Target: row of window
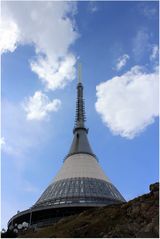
80 187
73 201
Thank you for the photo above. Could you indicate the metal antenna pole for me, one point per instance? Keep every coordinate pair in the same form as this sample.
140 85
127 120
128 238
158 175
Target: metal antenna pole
79 73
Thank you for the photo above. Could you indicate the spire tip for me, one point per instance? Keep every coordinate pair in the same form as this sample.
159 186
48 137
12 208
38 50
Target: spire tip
79 72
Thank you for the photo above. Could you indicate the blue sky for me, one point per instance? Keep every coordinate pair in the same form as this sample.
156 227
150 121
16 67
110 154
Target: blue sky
117 44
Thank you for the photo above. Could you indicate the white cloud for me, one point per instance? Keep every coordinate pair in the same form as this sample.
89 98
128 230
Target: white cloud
50 28
142 46
154 53
150 11
38 106
2 141
9 35
128 103
21 135
141 43
56 75
121 62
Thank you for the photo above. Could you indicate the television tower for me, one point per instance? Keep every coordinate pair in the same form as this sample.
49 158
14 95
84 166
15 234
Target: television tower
80 183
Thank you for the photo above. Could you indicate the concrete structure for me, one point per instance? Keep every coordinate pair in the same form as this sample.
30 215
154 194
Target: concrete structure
80 184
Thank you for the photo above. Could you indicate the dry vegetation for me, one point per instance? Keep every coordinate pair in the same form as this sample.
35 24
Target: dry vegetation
136 218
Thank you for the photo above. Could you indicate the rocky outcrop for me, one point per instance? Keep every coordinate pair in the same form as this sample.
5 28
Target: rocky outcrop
136 218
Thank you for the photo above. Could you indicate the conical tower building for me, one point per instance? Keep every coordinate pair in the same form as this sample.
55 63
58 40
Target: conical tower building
80 184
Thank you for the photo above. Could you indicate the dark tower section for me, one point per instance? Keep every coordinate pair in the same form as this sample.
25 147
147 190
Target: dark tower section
80 143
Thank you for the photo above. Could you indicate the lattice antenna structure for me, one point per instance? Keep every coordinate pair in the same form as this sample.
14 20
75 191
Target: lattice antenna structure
80 107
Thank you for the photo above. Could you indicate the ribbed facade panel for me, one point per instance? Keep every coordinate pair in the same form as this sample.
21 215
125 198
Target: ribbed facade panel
79 190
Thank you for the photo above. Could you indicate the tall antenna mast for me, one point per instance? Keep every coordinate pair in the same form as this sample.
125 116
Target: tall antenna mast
80 110
79 72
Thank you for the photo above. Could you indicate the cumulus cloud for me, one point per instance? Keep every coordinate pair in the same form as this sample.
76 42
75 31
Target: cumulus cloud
128 103
154 53
121 62
50 28
55 76
9 35
38 106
